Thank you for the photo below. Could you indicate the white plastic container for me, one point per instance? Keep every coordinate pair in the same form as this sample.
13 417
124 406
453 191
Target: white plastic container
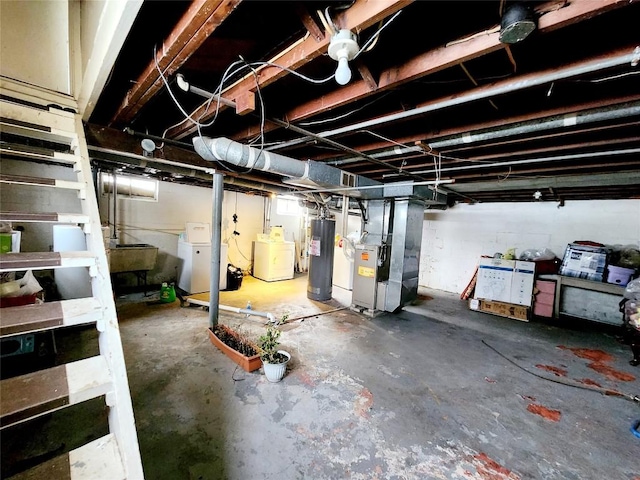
619 275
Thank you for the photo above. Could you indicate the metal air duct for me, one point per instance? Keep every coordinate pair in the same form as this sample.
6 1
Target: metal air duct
307 174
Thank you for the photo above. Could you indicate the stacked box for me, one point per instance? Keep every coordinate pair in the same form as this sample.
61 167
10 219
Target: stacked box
584 261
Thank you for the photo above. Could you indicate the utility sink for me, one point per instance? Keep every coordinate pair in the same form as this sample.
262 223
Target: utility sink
133 257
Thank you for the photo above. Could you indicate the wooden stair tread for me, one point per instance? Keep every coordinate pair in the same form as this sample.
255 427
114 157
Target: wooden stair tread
44 316
50 217
10 262
21 151
33 394
42 182
53 125
97 460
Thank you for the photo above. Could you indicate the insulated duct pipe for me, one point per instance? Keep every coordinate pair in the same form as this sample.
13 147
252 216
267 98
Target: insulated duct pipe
558 121
614 59
184 169
309 174
216 149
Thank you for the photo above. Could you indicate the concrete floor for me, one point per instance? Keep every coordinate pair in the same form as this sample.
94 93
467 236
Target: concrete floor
416 395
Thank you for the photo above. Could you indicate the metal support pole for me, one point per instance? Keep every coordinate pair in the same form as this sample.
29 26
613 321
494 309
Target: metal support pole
216 232
345 215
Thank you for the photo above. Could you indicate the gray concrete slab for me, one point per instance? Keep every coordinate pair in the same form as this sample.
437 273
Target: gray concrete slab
416 395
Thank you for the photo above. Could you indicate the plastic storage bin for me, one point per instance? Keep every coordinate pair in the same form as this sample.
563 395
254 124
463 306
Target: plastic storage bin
619 275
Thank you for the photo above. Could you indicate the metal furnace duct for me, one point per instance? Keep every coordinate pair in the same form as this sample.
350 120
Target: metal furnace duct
307 174
321 259
406 240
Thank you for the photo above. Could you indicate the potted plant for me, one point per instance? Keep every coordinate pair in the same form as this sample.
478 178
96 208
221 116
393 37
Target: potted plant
274 360
236 346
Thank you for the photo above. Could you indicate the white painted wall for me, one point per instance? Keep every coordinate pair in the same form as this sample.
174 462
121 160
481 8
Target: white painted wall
160 223
34 43
454 239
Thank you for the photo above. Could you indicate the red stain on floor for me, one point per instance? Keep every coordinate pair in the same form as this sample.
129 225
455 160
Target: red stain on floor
544 412
489 469
598 363
588 381
306 379
597 356
364 402
558 372
611 373
490 380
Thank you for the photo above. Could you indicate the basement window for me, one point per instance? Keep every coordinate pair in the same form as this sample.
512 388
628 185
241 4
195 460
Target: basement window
288 206
130 187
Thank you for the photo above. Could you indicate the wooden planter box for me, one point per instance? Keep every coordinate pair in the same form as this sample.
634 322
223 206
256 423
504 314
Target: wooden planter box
248 364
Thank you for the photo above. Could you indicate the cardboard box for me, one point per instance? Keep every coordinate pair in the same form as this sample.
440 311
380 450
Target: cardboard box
509 310
508 281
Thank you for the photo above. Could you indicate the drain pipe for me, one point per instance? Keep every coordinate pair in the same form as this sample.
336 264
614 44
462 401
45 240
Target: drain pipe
614 59
269 316
558 121
624 110
216 233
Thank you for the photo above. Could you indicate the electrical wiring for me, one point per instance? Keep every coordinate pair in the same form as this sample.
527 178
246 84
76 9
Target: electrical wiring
495 29
377 33
329 29
603 391
344 115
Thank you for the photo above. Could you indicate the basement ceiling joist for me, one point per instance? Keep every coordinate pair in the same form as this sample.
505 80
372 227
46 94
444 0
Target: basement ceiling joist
426 87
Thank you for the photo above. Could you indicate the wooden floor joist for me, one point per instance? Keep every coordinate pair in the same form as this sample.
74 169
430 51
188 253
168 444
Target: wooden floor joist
34 394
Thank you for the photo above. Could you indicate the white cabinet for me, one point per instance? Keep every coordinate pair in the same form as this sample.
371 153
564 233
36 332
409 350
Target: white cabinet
194 266
273 260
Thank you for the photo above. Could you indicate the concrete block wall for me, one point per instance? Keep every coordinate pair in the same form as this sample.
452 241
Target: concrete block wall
160 223
454 239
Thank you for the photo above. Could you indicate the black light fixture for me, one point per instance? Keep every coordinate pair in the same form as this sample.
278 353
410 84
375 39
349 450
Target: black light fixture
517 23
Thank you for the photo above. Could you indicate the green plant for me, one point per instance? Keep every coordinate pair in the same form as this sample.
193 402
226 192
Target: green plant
268 346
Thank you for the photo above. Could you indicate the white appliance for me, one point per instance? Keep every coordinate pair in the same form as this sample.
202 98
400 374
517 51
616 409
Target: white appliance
194 259
342 268
273 260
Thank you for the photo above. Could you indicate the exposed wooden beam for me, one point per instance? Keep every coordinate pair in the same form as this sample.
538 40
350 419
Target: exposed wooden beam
439 59
309 22
200 20
366 75
118 141
361 15
437 134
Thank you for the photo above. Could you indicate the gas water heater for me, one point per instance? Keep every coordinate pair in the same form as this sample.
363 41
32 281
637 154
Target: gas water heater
321 259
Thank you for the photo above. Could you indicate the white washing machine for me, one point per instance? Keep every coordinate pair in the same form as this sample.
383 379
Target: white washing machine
273 260
194 259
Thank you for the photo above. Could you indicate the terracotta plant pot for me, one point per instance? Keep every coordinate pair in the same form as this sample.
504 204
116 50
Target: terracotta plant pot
275 371
248 364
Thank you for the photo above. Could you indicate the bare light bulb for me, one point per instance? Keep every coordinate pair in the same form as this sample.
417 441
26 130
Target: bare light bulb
343 72
343 47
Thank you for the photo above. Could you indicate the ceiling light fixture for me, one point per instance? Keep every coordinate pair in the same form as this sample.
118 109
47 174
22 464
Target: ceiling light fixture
517 23
148 147
343 47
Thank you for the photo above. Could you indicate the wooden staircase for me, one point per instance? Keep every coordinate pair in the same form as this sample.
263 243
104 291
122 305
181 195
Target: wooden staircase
40 126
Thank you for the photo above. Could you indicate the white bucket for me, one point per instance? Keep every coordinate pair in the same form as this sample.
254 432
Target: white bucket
619 275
